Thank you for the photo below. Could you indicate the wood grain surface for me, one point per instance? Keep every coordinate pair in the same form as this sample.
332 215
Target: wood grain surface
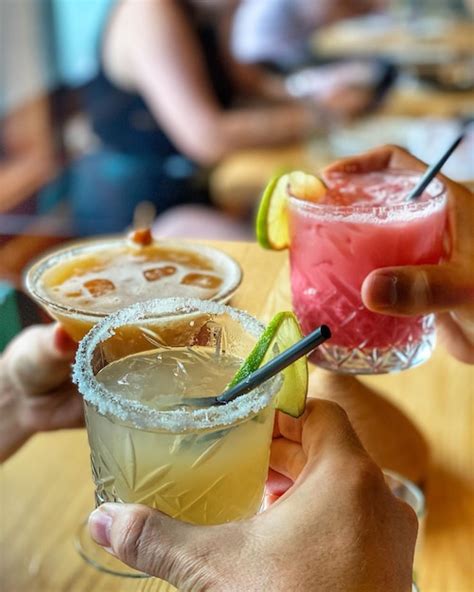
46 488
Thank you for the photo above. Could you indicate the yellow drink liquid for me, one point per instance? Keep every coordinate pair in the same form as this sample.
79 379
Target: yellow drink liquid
206 476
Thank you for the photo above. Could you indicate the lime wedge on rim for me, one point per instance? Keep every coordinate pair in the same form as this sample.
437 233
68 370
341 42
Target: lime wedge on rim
272 217
282 332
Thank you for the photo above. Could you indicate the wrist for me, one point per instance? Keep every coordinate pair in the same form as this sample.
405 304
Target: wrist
13 433
275 87
12 436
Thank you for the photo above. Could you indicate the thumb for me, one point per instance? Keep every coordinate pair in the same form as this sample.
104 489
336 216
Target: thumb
39 358
158 545
325 434
417 289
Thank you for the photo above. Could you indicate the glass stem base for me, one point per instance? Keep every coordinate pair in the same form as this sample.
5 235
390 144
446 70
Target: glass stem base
359 360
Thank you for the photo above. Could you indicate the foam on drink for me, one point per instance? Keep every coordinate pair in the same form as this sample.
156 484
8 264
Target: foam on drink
114 278
83 282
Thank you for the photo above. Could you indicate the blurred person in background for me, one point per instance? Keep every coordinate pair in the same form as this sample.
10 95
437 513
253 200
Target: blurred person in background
29 153
278 32
159 84
27 147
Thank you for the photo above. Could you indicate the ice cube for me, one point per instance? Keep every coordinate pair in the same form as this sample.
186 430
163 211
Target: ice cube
99 287
73 294
156 273
202 280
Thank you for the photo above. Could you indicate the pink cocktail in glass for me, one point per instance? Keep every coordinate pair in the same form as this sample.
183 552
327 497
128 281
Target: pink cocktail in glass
364 223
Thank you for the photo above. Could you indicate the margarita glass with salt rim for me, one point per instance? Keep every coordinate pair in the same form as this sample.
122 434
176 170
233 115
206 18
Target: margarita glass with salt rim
148 443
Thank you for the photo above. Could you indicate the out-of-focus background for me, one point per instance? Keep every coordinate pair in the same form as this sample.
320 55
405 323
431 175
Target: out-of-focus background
176 113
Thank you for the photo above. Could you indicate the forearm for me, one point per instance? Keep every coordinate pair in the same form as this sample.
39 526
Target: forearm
244 128
255 82
218 133
21 177
29 160
228 131
12 434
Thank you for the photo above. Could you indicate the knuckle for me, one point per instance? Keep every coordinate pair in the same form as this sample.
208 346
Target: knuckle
422 290
36 335
366 479
328 417
393 148
340 425
335 431
27 354
132 543
142 542
335 412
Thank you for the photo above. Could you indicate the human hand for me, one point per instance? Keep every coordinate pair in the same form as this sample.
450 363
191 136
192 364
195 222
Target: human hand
341 90
347 103
389 435
36 393
337 528
446 289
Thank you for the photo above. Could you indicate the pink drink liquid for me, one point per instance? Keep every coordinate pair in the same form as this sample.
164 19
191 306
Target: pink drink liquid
362 224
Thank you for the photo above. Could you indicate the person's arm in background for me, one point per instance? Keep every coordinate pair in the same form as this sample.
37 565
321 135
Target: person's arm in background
28 158
154 44
245 26
337 528
36 392
446 289
27 147
280 32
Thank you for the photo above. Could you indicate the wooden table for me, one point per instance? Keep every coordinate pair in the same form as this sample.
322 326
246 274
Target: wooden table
47 489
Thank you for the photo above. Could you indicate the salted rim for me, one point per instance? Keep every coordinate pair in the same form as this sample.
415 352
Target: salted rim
176 420
381 214
231 270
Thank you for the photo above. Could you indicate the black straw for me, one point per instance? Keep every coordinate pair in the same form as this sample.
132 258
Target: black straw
279 363
434 169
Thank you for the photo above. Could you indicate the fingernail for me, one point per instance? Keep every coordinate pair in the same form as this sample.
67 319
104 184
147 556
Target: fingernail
63 342
383 290
100 524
